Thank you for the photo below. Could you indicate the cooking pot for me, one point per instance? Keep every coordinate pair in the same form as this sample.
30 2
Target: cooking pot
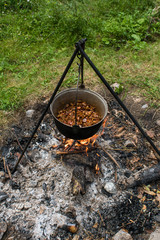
68 96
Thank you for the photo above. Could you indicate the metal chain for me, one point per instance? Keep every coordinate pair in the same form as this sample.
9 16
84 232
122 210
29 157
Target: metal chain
76 99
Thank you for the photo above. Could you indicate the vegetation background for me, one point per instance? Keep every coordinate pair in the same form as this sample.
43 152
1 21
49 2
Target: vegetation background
37 39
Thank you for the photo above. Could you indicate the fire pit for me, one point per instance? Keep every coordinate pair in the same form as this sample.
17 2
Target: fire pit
68 96
69 192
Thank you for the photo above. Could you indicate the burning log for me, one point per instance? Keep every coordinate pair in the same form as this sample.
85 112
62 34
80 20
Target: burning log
74 151
144 176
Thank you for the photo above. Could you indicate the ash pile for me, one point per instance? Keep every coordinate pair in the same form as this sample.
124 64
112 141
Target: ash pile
70 190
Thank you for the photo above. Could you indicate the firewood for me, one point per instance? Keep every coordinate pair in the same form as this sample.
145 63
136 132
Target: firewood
144 176
110 156
75 151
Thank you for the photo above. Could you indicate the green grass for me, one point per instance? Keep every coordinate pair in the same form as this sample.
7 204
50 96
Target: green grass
37 41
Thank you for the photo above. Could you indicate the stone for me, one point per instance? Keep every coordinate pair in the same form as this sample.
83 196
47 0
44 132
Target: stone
122 235
1 185
73 228
155 235
29 113
27 205
76 237
71 212
157 218
129 143
158 122
110 187
20 206
3 228
145 106
33 183
3 196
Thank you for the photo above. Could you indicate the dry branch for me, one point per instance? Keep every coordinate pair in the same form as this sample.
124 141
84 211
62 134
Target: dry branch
110 156
74 151
6 168
9 172
144 176
4 163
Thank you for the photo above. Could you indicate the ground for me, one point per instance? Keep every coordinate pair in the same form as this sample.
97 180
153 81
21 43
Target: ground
147 118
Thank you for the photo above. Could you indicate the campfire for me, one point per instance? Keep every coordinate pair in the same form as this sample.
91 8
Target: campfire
76 146
80 188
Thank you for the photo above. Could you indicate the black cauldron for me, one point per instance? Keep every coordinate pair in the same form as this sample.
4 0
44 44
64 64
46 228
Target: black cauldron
68 96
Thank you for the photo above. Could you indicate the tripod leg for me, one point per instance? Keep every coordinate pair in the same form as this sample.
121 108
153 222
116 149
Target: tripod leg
119 101
47 107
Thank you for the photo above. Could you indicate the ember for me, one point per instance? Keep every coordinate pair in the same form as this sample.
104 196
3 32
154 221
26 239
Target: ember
86 114
97 168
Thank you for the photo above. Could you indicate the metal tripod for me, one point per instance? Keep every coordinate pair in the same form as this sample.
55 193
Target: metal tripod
80 51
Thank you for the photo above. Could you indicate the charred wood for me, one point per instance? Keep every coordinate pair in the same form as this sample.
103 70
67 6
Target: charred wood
144 176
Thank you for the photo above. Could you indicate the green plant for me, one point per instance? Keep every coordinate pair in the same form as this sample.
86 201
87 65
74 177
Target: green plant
12 97
16 5
37 38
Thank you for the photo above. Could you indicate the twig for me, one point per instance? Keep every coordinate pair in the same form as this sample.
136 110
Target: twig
19 143
4 163
46 149
101 218
17 139
115 176
122 149
9 172
155 114
70 152
6 168
89 234
74 152
110 156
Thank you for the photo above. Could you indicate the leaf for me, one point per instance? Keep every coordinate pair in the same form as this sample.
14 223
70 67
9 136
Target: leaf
140 192
136 37
144 208
143 199
120 134
120 129
150 192
158 198
141 20
95 225
106 41
150 133
146 188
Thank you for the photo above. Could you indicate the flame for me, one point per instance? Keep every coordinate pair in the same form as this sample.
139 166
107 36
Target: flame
103 125
97 168
68 143
71 144
54 146
87 151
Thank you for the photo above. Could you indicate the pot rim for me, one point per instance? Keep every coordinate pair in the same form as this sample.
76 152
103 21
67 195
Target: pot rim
82 90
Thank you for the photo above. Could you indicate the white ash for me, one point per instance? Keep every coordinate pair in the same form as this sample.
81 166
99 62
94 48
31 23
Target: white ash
39 207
